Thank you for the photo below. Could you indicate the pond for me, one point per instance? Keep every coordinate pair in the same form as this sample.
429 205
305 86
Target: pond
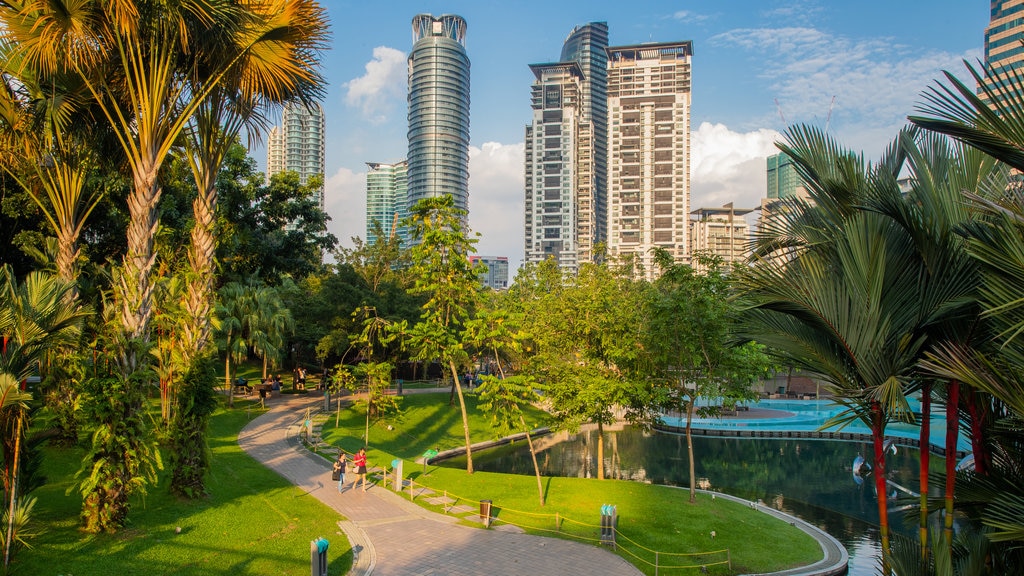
808 478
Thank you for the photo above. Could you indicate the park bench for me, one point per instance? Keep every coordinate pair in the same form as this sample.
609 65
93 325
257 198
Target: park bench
241 385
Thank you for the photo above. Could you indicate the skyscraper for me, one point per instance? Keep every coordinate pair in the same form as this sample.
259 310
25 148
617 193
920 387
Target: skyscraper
496 276
783 180
298 143
387 199
439 109
649 151
566 151
1003 36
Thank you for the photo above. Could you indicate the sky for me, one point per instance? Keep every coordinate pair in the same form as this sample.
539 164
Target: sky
855 69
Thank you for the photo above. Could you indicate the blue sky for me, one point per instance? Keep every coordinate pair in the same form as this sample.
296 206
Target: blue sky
757 67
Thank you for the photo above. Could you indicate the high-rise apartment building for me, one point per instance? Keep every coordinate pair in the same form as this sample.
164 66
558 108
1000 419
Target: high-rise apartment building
496 276
566 152
649 151
297 144
1003 36
721 232
783 180
387 200
439 109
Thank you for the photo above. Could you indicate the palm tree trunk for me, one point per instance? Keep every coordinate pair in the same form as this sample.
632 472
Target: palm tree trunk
952 432
689 453
199 303
925 443
465 417
881 486
136 284
979 426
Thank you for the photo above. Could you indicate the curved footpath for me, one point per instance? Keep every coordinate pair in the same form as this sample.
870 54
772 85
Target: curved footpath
392 536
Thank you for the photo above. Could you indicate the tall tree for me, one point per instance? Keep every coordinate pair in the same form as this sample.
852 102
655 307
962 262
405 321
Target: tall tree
444 275
698 361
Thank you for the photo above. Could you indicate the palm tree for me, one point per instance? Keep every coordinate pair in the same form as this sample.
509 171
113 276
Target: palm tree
834 289
282 65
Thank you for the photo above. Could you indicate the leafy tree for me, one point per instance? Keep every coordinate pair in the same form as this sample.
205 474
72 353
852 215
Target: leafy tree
687 339
586 344
444 275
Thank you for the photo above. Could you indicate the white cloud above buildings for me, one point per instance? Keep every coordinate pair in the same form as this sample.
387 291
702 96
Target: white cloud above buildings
497 199
384 83
728 166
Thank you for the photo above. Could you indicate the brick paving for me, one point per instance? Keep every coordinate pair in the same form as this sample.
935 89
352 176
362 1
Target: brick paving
394 537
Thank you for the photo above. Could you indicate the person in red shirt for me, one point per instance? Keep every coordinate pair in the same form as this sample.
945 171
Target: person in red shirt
359 461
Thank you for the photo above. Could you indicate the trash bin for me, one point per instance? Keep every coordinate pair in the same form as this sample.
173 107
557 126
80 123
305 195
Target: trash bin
400 383
609 520
485 512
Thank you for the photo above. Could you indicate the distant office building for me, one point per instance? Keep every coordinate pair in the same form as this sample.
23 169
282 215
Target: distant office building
783 180
496 276
387 200
566 152
439 109
722 232
1003 49
649 151
297 144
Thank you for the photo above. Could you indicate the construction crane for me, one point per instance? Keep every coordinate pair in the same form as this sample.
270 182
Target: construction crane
779 108
828 119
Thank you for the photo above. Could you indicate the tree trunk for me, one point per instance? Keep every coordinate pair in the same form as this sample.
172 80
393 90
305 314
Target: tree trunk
533 455
979 426
952 432
136 283
600 451
689 453
465 417
881 486
925 442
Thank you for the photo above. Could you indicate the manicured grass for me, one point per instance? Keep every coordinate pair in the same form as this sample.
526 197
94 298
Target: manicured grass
650 518
252 522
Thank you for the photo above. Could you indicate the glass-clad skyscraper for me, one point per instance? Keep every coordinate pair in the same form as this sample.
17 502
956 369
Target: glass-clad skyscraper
1004 53
386 200
439 109
298 144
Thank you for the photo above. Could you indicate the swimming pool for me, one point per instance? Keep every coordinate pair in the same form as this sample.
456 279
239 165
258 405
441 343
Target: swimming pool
786 418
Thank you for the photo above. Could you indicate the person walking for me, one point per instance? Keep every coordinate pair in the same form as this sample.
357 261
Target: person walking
359 461
339 471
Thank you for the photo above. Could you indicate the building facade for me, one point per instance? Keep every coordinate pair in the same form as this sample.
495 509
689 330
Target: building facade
566 152
297 144
387 200
1004 52
783 180
496 276
649 151
439 110
721 232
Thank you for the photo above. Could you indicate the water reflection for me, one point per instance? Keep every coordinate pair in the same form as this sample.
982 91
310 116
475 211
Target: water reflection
811 479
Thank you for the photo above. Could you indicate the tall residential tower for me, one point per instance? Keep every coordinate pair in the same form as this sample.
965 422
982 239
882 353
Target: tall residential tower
387 201
1003 50
566 152
297 144
649 151
439 109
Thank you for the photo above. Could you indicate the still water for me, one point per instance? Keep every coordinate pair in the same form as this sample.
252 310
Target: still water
810 479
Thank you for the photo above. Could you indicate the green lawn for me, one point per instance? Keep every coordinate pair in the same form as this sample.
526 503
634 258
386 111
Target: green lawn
252 521
651 518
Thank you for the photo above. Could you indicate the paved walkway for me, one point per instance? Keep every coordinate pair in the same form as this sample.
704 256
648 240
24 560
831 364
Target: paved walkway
394 537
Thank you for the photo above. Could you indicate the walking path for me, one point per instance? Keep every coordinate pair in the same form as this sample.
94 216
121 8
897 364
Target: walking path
394 537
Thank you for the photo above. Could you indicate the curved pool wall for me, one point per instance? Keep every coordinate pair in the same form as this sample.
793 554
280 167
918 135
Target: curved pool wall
807 418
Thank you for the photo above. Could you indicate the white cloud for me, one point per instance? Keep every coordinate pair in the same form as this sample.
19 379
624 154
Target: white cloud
384 82
497 200
729 166
345 203
852 86
687 17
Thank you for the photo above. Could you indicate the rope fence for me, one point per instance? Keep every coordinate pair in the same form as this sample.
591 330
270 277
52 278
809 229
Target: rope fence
557 524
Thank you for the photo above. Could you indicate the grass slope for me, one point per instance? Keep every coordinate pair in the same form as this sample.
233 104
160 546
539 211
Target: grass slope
252 522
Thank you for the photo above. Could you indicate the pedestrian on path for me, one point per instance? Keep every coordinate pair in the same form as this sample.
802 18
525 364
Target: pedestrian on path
339 471
359 461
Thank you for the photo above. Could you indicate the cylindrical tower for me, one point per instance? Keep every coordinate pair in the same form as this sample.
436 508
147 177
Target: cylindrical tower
439 109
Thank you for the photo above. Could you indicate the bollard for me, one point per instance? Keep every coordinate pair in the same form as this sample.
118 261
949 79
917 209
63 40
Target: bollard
485 512
609 519
318 557
396 464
